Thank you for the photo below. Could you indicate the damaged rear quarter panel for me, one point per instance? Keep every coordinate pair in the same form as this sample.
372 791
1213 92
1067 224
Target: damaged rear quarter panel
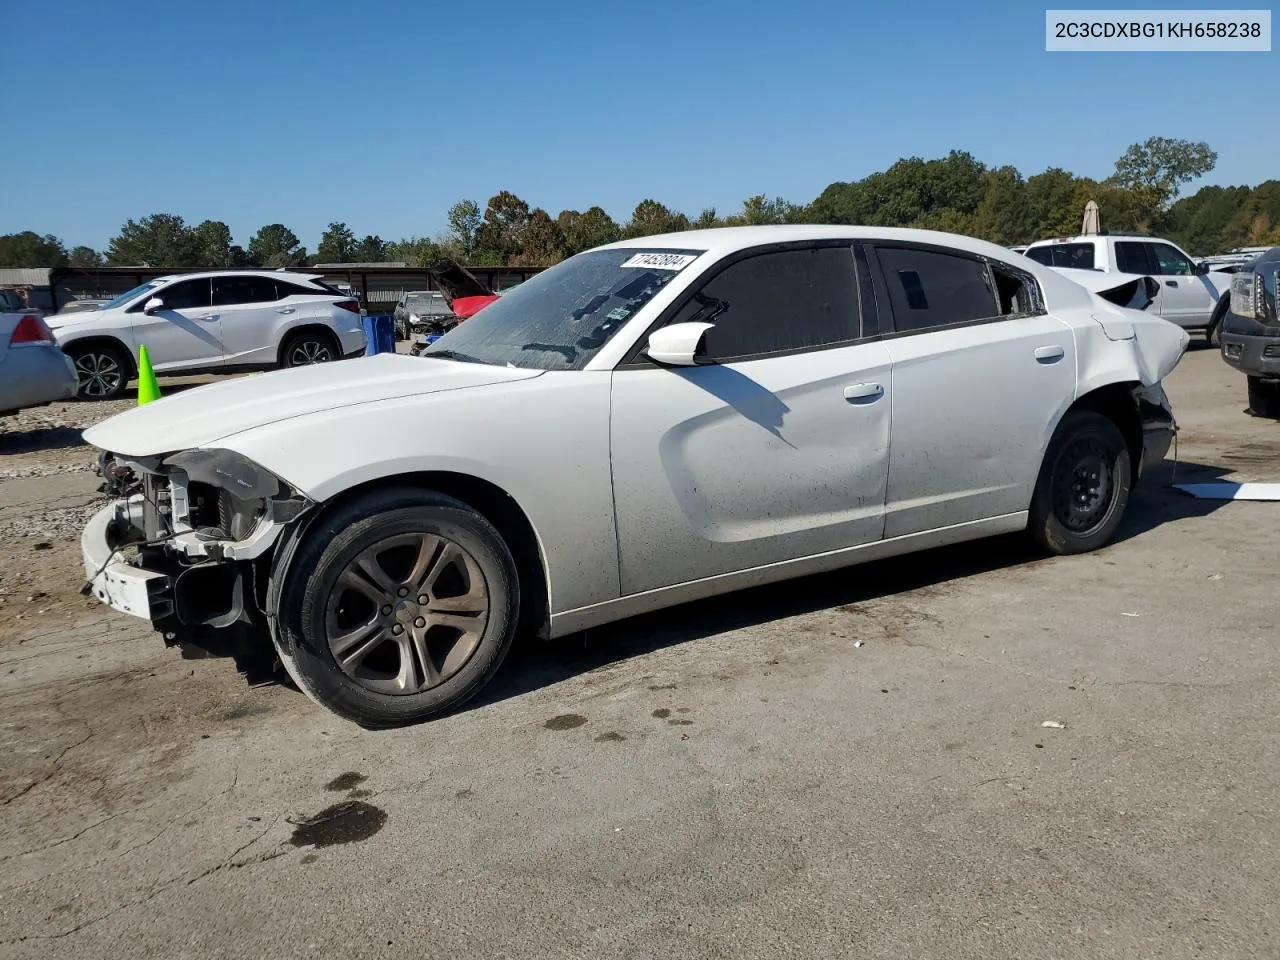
1113 344
1147 356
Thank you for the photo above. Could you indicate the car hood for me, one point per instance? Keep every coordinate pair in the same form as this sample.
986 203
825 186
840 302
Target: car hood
203 415
60 321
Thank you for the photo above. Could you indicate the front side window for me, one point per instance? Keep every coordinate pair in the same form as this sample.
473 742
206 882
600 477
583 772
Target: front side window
560 318
776 302
929 289
1076 256
186 295
1170 261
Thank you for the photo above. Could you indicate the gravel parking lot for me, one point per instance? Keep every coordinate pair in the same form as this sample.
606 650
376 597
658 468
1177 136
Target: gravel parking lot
849 765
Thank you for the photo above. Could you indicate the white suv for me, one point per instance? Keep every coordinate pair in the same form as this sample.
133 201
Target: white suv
1190 294
210 322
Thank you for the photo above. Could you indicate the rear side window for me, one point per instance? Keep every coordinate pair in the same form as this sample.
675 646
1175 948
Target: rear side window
776 302
287 289
1134 257
1076 256
928 289
229 291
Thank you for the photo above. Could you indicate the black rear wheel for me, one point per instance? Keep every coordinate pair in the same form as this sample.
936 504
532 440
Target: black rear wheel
1083 487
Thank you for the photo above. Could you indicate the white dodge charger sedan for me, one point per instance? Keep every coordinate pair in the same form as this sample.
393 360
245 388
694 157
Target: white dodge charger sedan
646 423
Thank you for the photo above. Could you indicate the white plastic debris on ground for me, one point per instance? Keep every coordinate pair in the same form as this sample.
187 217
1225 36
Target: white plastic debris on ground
1231 491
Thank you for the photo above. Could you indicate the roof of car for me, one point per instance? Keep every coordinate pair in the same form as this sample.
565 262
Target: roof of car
271 274
725 240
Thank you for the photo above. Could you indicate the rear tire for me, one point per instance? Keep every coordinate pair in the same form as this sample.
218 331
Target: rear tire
416 593
308 348
1083 487
102 371
1264 398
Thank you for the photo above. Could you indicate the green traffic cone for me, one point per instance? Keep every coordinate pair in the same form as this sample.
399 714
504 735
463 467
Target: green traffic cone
148 389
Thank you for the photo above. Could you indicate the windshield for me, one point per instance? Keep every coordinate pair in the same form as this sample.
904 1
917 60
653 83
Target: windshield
421 303
133 294
560 318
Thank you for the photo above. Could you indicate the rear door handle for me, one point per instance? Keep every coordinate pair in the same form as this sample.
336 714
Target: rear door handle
286 310
1050 354
1171 283
863 392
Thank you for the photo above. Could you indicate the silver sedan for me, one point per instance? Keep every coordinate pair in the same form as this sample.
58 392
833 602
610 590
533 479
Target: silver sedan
33 371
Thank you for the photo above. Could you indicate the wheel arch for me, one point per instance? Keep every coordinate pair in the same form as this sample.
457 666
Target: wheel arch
1118 403
292 333
102 339
490 501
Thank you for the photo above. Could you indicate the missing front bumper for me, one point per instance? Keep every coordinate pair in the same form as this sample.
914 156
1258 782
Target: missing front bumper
120 585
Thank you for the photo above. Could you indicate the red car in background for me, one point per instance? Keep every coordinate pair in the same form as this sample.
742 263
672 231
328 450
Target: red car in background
465 295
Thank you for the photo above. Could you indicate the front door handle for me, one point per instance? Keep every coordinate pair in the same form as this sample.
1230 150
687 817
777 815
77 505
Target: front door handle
863 392
1171 283
208 316
1050 354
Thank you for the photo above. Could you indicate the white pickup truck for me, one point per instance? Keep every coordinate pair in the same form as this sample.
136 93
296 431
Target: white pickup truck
1190 294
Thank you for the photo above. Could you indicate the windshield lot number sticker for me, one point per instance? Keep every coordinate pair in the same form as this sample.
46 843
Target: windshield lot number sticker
661 261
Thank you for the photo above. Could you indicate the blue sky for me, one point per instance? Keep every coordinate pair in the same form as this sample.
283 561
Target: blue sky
382 114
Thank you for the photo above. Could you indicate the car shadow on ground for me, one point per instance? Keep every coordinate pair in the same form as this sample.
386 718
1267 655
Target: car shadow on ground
59 438
165 389
534 664
34 441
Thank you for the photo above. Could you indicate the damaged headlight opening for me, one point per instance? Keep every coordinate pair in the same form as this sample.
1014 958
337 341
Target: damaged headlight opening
202 516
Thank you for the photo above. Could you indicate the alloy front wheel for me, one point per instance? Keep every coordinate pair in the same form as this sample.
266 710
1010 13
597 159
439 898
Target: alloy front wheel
101 373
407 613
396 606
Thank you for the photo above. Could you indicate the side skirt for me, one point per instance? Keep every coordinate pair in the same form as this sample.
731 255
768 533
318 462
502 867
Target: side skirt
582 618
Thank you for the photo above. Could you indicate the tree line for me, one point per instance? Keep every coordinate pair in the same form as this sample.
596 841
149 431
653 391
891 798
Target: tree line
956 193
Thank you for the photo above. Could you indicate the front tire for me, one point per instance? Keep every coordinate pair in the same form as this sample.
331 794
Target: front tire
398 607
1264 398
1083 487
1213 334
102 371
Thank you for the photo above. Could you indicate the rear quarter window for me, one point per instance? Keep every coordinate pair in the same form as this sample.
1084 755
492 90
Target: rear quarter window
1077 256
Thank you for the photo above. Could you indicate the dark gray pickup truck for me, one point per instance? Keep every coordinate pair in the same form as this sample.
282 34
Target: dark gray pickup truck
1251 332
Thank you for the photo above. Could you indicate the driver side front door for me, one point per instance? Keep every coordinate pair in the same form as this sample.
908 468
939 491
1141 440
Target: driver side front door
184 332
776 450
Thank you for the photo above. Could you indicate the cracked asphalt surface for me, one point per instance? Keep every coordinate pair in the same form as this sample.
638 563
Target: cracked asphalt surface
734 778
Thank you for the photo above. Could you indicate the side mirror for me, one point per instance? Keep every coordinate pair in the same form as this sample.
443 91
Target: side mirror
152 305
678 345
1202 268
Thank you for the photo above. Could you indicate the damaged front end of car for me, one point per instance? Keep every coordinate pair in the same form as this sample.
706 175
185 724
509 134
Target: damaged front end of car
187 542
